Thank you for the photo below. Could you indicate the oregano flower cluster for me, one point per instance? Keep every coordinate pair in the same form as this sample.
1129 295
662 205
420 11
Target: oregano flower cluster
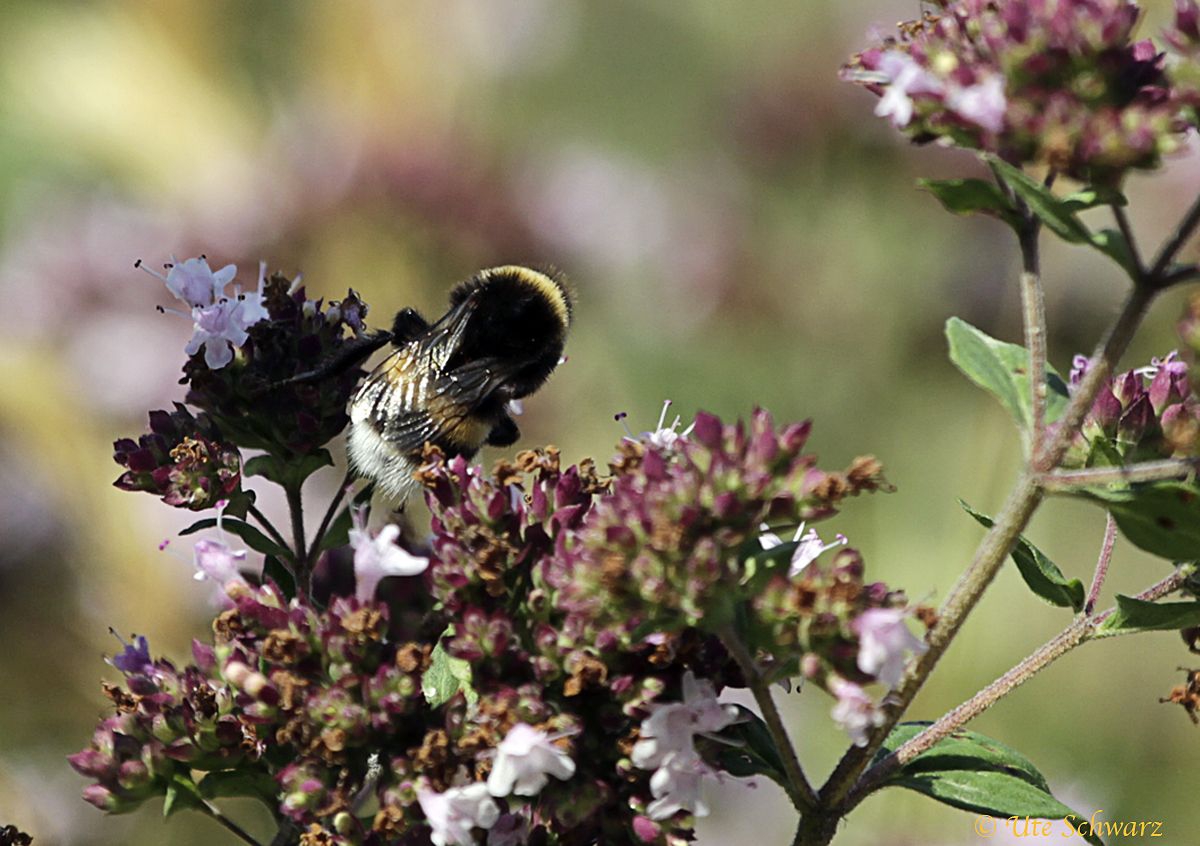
1059 83
552 672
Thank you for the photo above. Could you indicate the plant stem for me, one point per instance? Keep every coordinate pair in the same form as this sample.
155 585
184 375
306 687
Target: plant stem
995 546
216 813
296 508
1034 310
1146 471
1106 549
1175 243
1100 366
1078 632
799 790
267 525
1182 273
1158 590
328 518
1127 232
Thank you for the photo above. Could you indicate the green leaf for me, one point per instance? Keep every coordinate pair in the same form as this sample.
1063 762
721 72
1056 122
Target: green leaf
1058 216
1137 615
746 749
254 539
1040 573
446 676
971 196
1113 244
181 794
1002 369
290 472
278 572
975 773
242 782
1093 196
1162 518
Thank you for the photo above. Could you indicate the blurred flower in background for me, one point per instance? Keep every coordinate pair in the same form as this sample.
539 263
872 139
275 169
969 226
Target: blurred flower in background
739 231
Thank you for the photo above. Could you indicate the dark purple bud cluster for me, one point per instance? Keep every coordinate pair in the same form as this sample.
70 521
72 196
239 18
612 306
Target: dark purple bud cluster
183 459
167 723
1060 84
253 400
1139 415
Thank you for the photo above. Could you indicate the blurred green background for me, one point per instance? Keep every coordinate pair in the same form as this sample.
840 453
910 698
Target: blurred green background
739 230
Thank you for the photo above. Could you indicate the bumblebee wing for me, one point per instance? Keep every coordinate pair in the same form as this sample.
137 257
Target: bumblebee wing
409 402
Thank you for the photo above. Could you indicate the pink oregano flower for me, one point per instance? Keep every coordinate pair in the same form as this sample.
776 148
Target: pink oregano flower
219 321
667 746
379 556
855 711
884 642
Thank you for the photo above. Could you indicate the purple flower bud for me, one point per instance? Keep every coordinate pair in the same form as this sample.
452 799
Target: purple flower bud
708 431
135 658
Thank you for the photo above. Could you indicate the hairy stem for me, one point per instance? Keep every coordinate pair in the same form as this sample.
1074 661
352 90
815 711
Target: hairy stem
296 508
1146 471
216 813
1033 313
267 525
799 790
1127 233
1098 577
328 518
1175 243
1100 367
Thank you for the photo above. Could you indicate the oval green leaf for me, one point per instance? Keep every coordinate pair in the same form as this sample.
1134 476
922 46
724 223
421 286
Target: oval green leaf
975 773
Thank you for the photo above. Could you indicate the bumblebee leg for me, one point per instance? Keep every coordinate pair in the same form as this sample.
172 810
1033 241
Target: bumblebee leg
504 433
352 353
408 326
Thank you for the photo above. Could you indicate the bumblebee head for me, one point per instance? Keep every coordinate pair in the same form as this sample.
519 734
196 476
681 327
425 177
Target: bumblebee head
517 315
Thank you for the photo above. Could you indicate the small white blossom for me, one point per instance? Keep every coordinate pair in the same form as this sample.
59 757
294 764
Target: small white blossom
883 643
454 813
672 727
219 328
983 103
195 283
379 556
217 561
524 760
663 436
219 322
667 746
855 711
808 548
678 786
906 78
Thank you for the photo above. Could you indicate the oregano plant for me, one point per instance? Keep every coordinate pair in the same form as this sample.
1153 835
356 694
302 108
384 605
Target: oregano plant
546 661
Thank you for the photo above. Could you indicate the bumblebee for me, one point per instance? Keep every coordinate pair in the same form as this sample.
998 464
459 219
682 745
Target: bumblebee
451 383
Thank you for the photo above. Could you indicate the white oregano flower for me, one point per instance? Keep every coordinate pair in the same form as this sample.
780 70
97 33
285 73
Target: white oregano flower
808 546
379 556
884 642
453 814
667 746
524 761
